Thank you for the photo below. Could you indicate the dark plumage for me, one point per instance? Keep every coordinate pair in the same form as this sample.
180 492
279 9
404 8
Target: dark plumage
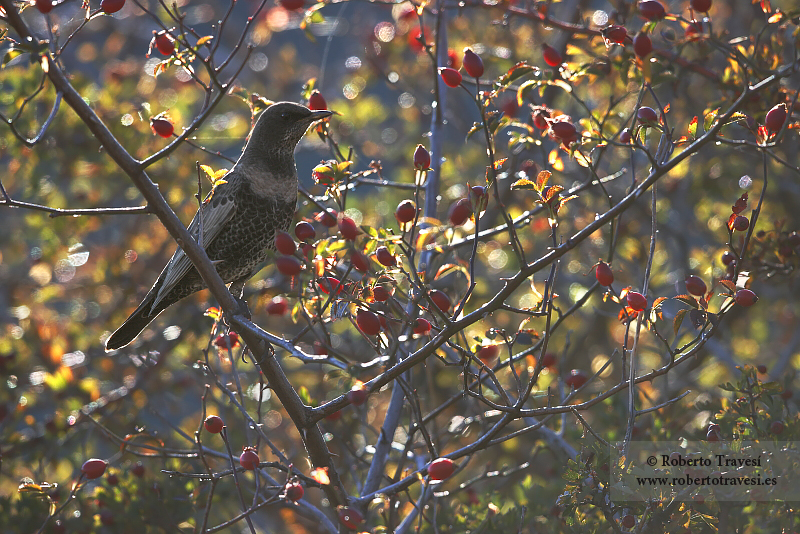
239 218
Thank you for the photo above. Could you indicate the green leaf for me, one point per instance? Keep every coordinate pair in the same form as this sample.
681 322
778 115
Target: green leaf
709 119
10 55
676 323
476 127
688 299
693 128
524 183
516 72
524 89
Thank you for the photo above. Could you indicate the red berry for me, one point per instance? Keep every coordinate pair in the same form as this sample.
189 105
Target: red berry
762 369
563 130
214 424
488 353
305 231
327 218
357 395
477 193
460 212
695 285
775 118
323 174
794 239
741 223
222 340
406 211
350 518
713 434
548 360
422 327
162 127
441 300
320 349
652 10
249 459
44 6
551 55
604 274
112 479
277 306
625 136
422 158
441 468
637 301
693 31
106 517
642 45
316 101
701 5
111 6
385 257
540 117
138 469
472 63
381 293
164 43
368 322
451 77
786 394
727 258
360 261
348 228
288 265
294 491
328 284
94 468
616 34
745 297
576 378
293 5
647 115
776 427
284 243
628 521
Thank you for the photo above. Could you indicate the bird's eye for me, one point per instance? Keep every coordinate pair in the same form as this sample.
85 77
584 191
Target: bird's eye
285 115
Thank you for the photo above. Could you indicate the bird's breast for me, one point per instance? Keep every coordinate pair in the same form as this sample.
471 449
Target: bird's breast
279 186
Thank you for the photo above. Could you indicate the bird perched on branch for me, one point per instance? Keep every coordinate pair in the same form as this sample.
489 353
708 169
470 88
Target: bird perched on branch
240 217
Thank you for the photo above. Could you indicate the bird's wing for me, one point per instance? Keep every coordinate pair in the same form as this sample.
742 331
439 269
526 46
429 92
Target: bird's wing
217 209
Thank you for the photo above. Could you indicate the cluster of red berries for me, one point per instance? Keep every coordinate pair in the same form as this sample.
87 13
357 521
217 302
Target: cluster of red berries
472 63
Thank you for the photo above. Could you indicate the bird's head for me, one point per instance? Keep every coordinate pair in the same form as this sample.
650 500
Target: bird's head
280 127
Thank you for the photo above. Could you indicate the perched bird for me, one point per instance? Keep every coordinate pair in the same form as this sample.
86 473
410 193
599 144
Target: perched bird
239 218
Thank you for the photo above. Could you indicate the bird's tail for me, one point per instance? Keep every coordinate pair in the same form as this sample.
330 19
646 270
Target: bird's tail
133 325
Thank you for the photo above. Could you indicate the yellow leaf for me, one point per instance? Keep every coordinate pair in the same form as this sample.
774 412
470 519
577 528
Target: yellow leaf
582 160
541 180
523 183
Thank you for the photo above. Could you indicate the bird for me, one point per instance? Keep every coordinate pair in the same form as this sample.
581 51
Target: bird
239 218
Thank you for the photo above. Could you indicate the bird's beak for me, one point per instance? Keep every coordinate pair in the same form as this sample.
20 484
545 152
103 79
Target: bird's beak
320 114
